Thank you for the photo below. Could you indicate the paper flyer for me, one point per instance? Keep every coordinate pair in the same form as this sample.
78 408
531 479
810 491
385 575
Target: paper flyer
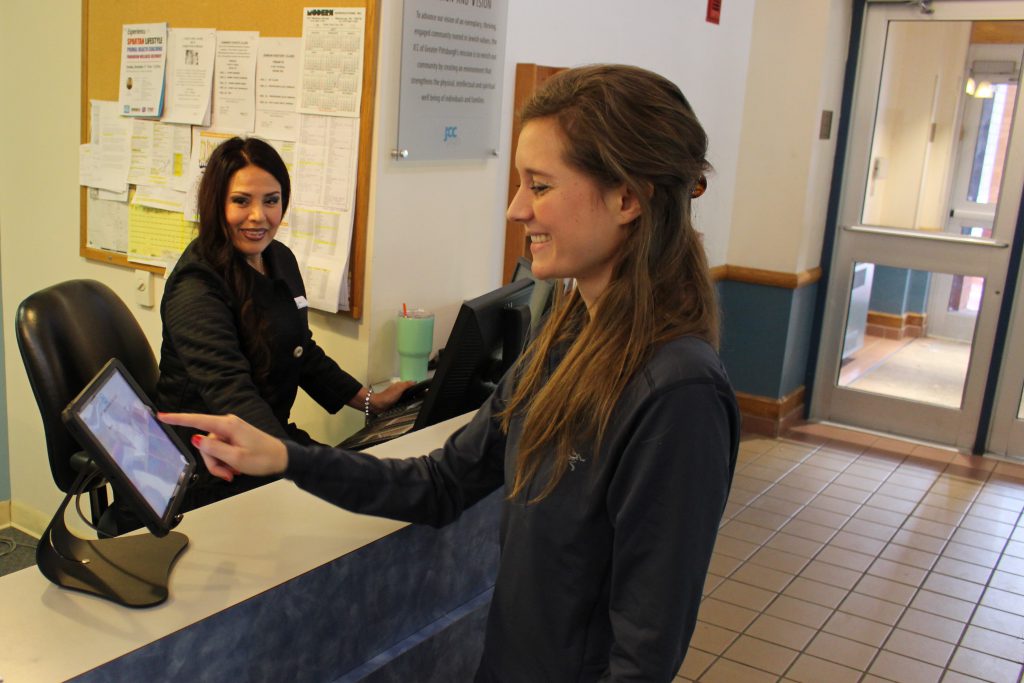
143 57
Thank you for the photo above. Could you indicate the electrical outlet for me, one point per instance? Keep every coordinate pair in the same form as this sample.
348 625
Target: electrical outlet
144 288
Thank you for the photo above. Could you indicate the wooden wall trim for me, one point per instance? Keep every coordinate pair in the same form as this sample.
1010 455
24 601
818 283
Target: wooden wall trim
769 278
773 408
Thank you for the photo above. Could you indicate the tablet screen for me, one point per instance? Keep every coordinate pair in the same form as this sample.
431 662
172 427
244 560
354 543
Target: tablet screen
127 430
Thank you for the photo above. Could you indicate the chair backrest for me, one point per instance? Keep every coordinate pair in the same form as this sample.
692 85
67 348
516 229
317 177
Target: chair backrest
66 333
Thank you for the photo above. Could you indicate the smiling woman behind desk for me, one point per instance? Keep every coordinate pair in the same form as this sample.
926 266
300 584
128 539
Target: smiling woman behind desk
236 335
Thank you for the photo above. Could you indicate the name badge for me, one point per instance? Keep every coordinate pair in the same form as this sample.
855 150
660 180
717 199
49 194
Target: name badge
300 302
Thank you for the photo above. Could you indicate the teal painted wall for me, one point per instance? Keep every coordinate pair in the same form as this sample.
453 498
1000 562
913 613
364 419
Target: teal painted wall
899 290
766 336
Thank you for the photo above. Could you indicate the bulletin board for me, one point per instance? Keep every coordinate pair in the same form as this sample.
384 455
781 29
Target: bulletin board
101 61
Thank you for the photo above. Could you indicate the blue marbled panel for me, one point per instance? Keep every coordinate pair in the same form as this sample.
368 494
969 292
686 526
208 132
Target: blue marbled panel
329 621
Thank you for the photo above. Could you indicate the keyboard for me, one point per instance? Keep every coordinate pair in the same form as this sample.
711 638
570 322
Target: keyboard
397 420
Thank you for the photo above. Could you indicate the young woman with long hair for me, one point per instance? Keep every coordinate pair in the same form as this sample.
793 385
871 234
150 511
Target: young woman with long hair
614 437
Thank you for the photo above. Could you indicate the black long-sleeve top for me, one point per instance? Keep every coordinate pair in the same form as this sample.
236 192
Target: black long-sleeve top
602 579
204 369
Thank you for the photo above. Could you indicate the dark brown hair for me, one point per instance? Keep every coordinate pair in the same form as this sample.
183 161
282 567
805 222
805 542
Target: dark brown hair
214 243
619 124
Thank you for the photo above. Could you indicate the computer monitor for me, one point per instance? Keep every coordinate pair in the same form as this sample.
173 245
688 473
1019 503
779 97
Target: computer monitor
487 337
543 292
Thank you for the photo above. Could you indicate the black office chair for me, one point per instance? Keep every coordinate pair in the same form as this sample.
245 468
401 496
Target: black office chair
66 333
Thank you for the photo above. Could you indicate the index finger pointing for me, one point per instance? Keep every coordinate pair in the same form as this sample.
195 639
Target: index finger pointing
206 423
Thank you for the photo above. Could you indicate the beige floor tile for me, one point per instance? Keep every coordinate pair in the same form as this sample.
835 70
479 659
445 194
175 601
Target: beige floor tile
904 573
788 543
858 482
932 625
994 513
900 669
998 530
937 514
957 677
948 585
917 646
781 561
959 551
744 595
1004 600
909 556
841 651
734 547
723 565
778 506
745 532
727 671
856 628
841 557
822 517
1005 581
695 663
889 518
762 577
846 508
919 541
886 589
762 518
809 669
846 493
861 544
943 605
882 532
994 643
724 615
825 572
979 539
711 638
781 632
762 654
1011 564
711 582
799 611
928 527
816 592
984 666
872 608
793 495
808 530
998 620
885 502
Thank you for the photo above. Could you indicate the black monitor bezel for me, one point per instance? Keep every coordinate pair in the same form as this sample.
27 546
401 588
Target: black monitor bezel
453 359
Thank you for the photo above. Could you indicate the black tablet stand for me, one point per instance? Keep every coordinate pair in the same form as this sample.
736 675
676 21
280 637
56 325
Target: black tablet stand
129 570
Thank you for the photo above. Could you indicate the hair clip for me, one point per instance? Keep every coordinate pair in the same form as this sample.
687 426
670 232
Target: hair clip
699 188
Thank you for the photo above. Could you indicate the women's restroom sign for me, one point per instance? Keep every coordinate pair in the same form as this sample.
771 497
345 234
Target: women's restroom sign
453 60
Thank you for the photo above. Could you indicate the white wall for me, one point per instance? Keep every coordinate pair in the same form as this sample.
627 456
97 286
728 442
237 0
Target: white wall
796 70
436 230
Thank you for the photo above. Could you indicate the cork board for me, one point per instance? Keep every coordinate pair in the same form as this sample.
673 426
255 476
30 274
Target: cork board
101 61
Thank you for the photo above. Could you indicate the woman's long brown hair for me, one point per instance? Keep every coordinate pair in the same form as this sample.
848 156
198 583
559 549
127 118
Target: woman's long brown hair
620 124
214 243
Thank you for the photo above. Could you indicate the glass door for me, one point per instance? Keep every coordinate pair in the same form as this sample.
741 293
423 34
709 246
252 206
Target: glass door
931 187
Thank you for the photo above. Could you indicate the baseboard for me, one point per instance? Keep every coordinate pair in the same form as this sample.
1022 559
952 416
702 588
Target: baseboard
28 519
770 416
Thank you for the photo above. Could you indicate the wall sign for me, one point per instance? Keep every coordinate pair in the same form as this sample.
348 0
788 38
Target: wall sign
453 59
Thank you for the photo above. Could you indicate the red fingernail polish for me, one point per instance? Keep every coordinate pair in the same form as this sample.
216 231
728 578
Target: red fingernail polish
196 440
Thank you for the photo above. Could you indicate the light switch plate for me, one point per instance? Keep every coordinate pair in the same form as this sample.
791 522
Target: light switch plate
144 288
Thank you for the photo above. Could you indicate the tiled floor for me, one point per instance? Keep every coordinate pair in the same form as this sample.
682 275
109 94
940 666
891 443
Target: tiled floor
849 557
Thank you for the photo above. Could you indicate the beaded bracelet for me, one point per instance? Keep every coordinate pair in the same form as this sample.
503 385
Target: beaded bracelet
366 403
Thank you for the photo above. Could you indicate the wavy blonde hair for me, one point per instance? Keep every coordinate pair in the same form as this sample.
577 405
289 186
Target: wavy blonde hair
620 124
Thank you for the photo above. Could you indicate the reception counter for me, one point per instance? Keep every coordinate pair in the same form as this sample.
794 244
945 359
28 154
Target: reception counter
277 585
